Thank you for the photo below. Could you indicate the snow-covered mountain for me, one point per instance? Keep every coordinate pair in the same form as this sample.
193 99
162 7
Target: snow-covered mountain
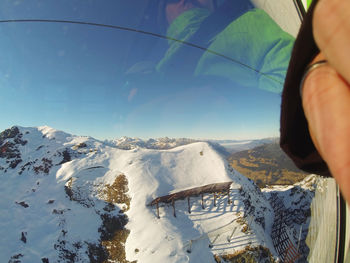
66 198
225 146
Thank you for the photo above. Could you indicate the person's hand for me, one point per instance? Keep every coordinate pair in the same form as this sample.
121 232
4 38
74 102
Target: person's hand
326 90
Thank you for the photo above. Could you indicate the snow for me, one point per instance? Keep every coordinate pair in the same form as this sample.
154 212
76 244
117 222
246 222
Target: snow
150 173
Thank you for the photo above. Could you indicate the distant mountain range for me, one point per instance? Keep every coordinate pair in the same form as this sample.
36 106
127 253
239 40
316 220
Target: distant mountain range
127 143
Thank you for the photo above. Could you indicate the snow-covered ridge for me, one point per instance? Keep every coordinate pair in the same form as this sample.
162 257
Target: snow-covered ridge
67 198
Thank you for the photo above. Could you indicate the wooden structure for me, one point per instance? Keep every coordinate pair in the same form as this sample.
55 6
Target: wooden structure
280 239
196 191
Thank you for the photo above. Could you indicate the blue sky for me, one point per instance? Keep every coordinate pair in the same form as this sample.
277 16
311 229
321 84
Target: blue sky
72 78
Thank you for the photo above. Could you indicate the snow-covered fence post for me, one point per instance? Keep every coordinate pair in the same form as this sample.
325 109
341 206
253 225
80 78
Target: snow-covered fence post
189 206
157 204
228 196
214 199
249 221
202 202
189 250
233 231
173 204
211 244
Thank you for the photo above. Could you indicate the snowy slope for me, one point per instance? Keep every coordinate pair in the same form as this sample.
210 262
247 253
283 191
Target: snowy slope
66 198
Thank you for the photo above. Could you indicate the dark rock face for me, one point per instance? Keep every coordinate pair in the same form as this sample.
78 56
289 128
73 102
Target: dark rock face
24 237
12 133
10 140
16 258
66 156
44 167
9 133
22 203
111 224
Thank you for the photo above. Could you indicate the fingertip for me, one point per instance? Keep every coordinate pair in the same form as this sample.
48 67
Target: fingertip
331 30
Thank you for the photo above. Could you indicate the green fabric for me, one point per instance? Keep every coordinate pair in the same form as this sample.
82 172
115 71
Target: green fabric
253 39
308 3
182 28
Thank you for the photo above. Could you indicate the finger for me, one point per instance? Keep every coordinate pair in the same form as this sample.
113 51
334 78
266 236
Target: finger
331 28
326 103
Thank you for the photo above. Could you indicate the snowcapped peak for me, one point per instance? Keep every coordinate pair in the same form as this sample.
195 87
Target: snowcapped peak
52 133
125 139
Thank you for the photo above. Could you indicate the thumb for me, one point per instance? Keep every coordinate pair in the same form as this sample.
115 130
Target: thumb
326 103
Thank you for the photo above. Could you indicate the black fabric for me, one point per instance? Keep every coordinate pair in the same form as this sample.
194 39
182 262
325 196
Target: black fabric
295 137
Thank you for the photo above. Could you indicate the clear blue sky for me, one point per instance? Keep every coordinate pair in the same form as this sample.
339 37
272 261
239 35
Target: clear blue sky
71 77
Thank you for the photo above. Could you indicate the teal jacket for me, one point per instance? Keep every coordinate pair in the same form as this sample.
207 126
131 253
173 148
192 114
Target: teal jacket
251 51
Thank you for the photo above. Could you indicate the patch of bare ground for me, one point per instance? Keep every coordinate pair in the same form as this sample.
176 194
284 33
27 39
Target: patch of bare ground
117 192
247 255
245 228
262 175
113 231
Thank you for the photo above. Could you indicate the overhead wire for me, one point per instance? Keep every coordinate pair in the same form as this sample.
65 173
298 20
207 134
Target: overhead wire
123 28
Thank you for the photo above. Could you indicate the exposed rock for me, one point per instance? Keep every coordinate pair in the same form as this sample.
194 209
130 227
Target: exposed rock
14 163
58 211
22 203
247 255
66 156
41 146
117 192
111 224
78 194
10 140
44 167
79 146
97 253
24 237
25 166
113 231
9 133
8 150
15 258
